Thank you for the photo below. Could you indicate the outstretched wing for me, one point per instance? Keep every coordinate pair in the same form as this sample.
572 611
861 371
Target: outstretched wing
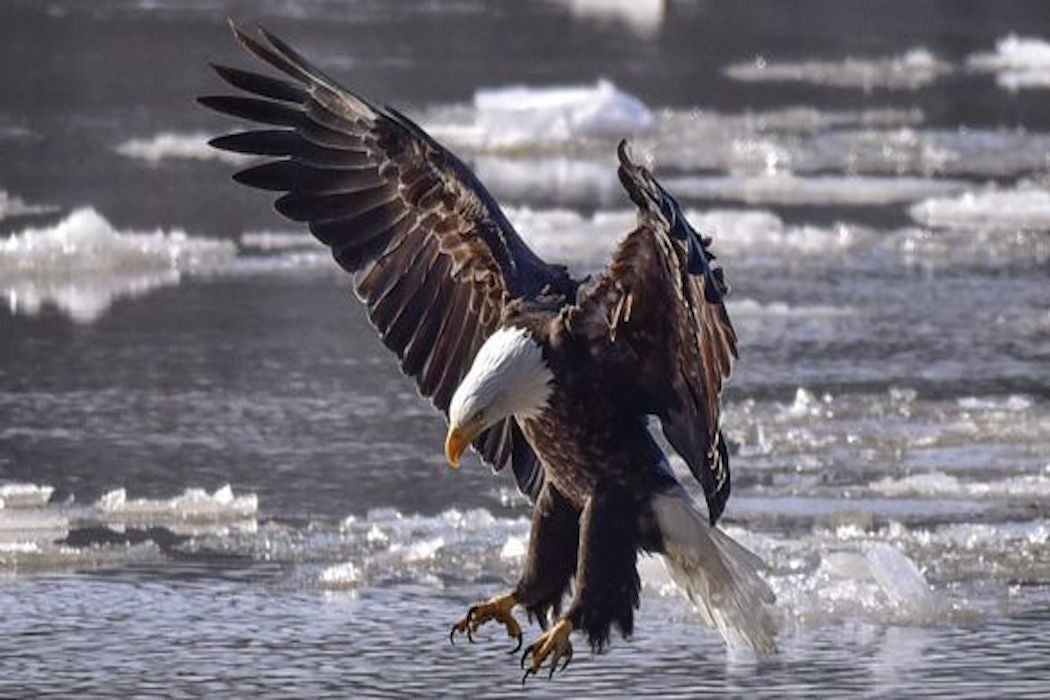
433 258
658 309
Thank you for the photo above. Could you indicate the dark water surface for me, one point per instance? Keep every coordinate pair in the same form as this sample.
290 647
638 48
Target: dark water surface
215 481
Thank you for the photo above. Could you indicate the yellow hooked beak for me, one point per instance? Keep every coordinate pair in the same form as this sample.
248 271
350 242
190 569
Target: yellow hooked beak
457 441
455 444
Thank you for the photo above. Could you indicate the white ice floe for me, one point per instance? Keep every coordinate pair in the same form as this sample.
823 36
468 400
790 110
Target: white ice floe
876 575
34 530
744 234
519 115
1014 403
565 235
808 405
754 233
32 524
747 308
278 240
421 550
24 495
266 252
914 69
553 180
941 485
642 17
1022 208
819 190
82 264
194 504
12 206
338 576
27 557
1018 62
514 548
169 145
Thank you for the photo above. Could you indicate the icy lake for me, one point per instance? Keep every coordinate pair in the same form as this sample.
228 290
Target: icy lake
214 480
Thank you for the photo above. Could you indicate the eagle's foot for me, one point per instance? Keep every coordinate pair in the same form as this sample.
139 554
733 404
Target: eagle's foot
554 643
499 609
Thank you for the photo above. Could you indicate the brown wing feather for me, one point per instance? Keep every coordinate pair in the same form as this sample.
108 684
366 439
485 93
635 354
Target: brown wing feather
434 259
658 310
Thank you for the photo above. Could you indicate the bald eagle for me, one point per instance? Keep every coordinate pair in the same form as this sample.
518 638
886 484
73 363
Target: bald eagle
553 376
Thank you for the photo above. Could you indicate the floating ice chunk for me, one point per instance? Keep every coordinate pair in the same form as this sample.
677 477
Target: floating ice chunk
588 241
194 504
376 536
750 232
281 251
514 548
32 524
567 236
1019 62
473 519
278 240
169 145
46 556
15 206
25 516
900 580
846 565
344 575
82 264
1013 403
424 550
643 17
787 189
1014 52
1030 79
25 495
19 547
84 242
744 308
1024 208
806 404
940 485
519 115
553 180
915 69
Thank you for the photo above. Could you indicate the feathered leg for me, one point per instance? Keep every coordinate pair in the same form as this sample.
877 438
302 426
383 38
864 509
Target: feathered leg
607 585
549 566
551 561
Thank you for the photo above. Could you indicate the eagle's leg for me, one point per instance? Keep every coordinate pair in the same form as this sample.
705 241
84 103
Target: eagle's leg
497 608
551 560
549 566
607 585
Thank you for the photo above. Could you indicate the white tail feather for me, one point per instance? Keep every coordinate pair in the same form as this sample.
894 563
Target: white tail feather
720 577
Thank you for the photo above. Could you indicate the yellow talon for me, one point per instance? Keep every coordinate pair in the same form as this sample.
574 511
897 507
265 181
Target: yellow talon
553 643
499 609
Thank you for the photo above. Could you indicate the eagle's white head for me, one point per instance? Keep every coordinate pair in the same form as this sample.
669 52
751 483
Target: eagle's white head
509 377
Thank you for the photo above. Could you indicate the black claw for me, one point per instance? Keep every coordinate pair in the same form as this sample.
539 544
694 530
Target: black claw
525 655
554 667
568 658
471 614
515 649
528 673
452 636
